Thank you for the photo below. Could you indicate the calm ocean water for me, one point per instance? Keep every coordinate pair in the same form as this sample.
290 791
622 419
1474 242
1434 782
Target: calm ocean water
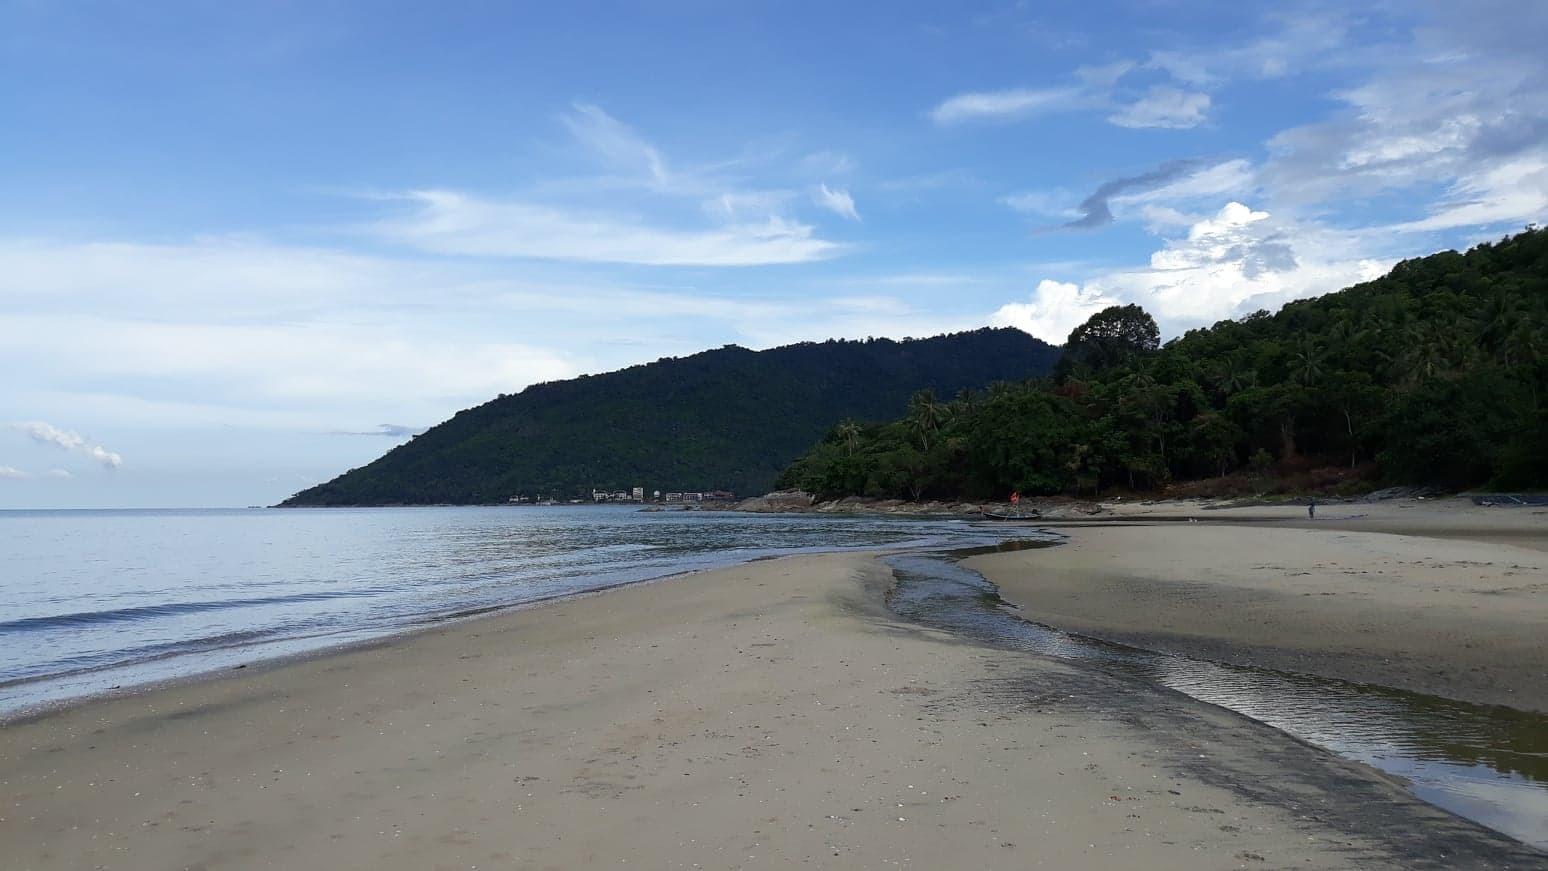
92 600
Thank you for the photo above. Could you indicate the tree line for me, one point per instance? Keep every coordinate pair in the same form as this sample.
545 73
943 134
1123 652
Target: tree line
1433 374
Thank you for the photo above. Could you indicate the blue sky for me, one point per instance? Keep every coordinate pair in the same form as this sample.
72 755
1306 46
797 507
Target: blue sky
244 247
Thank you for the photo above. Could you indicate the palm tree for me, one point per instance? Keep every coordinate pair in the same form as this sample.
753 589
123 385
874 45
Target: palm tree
1426 354
849 433
1497 321
1234 376
925 416
1307 366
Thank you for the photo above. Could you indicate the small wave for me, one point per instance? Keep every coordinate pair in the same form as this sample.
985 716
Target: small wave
170 609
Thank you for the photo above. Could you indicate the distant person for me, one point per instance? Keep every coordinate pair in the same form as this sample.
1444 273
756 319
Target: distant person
1311 508
1016 497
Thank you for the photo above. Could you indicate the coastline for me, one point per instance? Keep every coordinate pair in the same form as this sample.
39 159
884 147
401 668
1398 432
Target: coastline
1431 598
764 714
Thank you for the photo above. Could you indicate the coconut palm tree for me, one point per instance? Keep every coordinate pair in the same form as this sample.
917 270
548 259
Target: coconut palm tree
1306 367
926 416
848 432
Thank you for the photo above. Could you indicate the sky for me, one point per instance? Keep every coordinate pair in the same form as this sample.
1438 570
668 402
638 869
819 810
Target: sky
247 246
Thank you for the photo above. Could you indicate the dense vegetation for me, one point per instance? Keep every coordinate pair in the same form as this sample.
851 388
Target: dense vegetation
1433 374
724 419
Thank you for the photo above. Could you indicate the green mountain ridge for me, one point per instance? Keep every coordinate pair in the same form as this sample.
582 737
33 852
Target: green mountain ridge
1434 374
724 419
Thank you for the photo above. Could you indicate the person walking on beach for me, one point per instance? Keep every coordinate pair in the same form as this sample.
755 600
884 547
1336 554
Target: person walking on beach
1311 508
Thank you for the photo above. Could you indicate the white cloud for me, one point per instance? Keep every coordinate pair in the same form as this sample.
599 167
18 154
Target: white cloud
1512 190
739 205
11 473
1461 106
1014 103
822 163
450 222
1296 40
58 473
1056 308
617 144
1235 177
1053 204
839 202
1164 106
282 363
47 434
1229 264
643 209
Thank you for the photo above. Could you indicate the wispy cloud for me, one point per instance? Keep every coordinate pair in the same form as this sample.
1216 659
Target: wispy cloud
839 202
452 222
1097 89
1096 210
1461 107
1164 106
616 144
64 439
390 430
1007 104
642 210
11 473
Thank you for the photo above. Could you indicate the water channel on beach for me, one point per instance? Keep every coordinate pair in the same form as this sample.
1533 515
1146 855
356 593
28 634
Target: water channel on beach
1485 763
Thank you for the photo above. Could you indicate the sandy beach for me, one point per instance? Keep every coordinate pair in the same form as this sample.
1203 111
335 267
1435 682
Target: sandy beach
768 715
1441 596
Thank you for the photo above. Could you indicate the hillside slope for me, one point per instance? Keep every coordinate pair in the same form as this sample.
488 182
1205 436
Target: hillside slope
723 419
1435 374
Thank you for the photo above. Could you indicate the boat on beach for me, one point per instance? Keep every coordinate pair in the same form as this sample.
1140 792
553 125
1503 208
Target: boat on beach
1013 514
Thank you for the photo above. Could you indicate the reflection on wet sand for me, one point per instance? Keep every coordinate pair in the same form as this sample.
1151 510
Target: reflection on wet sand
1486 763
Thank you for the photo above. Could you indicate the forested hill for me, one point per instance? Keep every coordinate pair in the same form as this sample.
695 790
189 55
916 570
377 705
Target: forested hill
724 419
1436 373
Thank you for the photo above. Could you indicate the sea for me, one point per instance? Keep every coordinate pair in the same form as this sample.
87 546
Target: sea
100 600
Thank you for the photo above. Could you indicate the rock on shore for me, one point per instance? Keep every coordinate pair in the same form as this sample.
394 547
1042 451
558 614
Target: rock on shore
778 501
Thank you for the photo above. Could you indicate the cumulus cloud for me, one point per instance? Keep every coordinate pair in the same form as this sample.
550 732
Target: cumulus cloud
1164 106
64 439
839 202
1231 263
1056 308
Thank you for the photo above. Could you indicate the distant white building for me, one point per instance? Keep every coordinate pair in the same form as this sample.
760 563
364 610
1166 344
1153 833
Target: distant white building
638 494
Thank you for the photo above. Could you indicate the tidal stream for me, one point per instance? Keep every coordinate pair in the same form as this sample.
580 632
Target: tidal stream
1485 763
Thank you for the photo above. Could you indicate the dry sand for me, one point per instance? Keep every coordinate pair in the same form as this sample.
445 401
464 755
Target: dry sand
764 716
1440 597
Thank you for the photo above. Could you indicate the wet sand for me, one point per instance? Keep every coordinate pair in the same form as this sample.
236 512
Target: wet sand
1440 597
763 716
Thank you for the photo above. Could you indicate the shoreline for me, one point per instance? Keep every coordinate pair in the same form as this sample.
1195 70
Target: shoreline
768 713
1413 598
262 663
